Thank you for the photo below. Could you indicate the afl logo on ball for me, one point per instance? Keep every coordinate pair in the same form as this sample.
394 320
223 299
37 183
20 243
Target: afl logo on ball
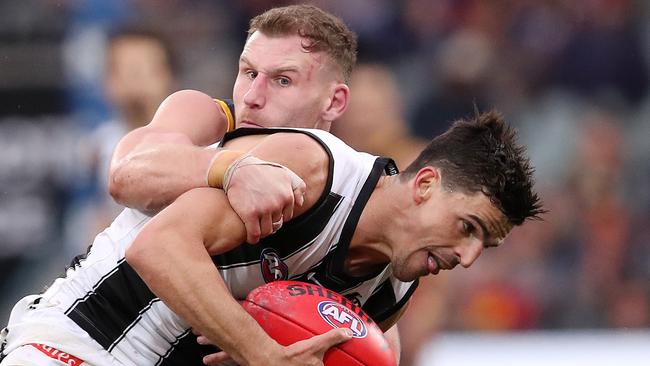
273 268
339 316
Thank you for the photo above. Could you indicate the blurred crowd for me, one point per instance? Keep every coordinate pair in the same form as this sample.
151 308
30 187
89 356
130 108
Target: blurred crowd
572 77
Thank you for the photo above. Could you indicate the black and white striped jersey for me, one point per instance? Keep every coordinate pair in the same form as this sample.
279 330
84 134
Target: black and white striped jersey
105 297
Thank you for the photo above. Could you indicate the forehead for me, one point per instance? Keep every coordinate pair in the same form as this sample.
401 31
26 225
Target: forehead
280 52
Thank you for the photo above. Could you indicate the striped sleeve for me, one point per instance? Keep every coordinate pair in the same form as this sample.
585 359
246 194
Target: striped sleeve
228 108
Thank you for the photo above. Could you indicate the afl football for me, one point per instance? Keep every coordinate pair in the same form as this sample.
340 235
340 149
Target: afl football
291 311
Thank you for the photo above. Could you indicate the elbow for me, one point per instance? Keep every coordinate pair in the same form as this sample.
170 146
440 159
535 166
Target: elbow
117 184
123 190
135 253
140 251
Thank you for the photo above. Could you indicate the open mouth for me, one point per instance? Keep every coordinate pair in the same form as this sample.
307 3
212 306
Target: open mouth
433 265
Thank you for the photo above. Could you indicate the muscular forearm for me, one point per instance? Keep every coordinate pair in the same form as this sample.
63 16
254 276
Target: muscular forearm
153 176
195 291
151 166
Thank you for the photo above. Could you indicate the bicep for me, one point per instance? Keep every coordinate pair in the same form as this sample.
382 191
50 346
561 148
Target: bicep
202 214
193 114
303 155
186 117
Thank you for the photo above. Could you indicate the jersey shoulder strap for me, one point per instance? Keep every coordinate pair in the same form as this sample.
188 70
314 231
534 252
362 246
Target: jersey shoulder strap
228 108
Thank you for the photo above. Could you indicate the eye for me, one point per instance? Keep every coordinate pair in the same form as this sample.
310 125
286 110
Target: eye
468 227
283 81
251 74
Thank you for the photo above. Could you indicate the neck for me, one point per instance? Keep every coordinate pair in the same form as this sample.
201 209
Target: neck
371 245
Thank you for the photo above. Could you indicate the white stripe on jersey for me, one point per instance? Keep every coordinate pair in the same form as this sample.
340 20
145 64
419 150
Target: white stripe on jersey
151 332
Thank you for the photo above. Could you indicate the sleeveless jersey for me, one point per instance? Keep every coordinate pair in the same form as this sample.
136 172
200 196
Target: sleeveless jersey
103 312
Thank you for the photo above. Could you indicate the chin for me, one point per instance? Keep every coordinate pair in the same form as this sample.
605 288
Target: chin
407 275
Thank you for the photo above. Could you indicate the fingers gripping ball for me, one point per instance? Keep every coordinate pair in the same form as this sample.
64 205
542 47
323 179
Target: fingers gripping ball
291 311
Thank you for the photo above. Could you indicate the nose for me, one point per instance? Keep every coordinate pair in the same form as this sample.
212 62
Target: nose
255 97
469 252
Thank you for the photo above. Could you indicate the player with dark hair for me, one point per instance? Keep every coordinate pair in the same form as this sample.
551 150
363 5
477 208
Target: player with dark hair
365 231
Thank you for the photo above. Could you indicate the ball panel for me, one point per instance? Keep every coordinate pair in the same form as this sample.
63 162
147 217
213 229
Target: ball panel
283 330
286 332
318 310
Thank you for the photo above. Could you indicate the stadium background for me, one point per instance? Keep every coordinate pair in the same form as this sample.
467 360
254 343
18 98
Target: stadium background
573 78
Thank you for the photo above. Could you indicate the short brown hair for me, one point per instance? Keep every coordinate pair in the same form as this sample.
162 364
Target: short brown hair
325 32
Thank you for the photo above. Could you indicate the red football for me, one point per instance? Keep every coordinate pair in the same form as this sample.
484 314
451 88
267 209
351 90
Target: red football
290 311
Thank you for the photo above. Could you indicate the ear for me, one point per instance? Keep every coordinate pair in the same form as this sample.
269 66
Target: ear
424 183
337 103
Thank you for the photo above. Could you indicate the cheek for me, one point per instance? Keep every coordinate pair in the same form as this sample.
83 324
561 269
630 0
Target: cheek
294 106
237 90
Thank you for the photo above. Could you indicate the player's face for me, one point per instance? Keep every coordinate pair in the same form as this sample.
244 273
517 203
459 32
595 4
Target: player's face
447 229
279 84
138 77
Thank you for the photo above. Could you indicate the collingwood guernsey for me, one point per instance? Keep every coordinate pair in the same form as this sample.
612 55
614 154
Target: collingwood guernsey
103 313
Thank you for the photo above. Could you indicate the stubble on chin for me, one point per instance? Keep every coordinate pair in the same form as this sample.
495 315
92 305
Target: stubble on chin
402 272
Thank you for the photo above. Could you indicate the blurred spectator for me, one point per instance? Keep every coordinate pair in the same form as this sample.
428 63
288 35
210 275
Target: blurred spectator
604 28
140 72
571 76
37 168
462 65
374 120
83 54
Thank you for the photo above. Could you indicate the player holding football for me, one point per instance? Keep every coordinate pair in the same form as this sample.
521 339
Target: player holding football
280 83
128 343
364 229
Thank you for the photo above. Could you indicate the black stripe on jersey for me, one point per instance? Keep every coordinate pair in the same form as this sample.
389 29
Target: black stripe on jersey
294 236
135 321
110 309
382 303
335 271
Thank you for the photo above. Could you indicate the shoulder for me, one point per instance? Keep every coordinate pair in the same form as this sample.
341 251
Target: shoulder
295 146
187 98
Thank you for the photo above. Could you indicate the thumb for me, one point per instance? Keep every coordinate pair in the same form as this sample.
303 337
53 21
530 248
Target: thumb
296 181
333 337
297 185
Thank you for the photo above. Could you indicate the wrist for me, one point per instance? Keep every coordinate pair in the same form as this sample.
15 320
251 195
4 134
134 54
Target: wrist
267 353
219 165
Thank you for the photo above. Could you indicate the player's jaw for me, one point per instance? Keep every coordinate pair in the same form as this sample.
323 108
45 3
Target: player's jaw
424 262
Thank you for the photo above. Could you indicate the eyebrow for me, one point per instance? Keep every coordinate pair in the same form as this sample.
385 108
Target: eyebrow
486 233
279 70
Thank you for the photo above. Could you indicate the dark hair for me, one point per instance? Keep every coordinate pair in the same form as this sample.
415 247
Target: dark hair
143 32
481 154
325 32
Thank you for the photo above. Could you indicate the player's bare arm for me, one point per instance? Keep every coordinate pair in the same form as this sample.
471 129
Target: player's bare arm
174 249
153 165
